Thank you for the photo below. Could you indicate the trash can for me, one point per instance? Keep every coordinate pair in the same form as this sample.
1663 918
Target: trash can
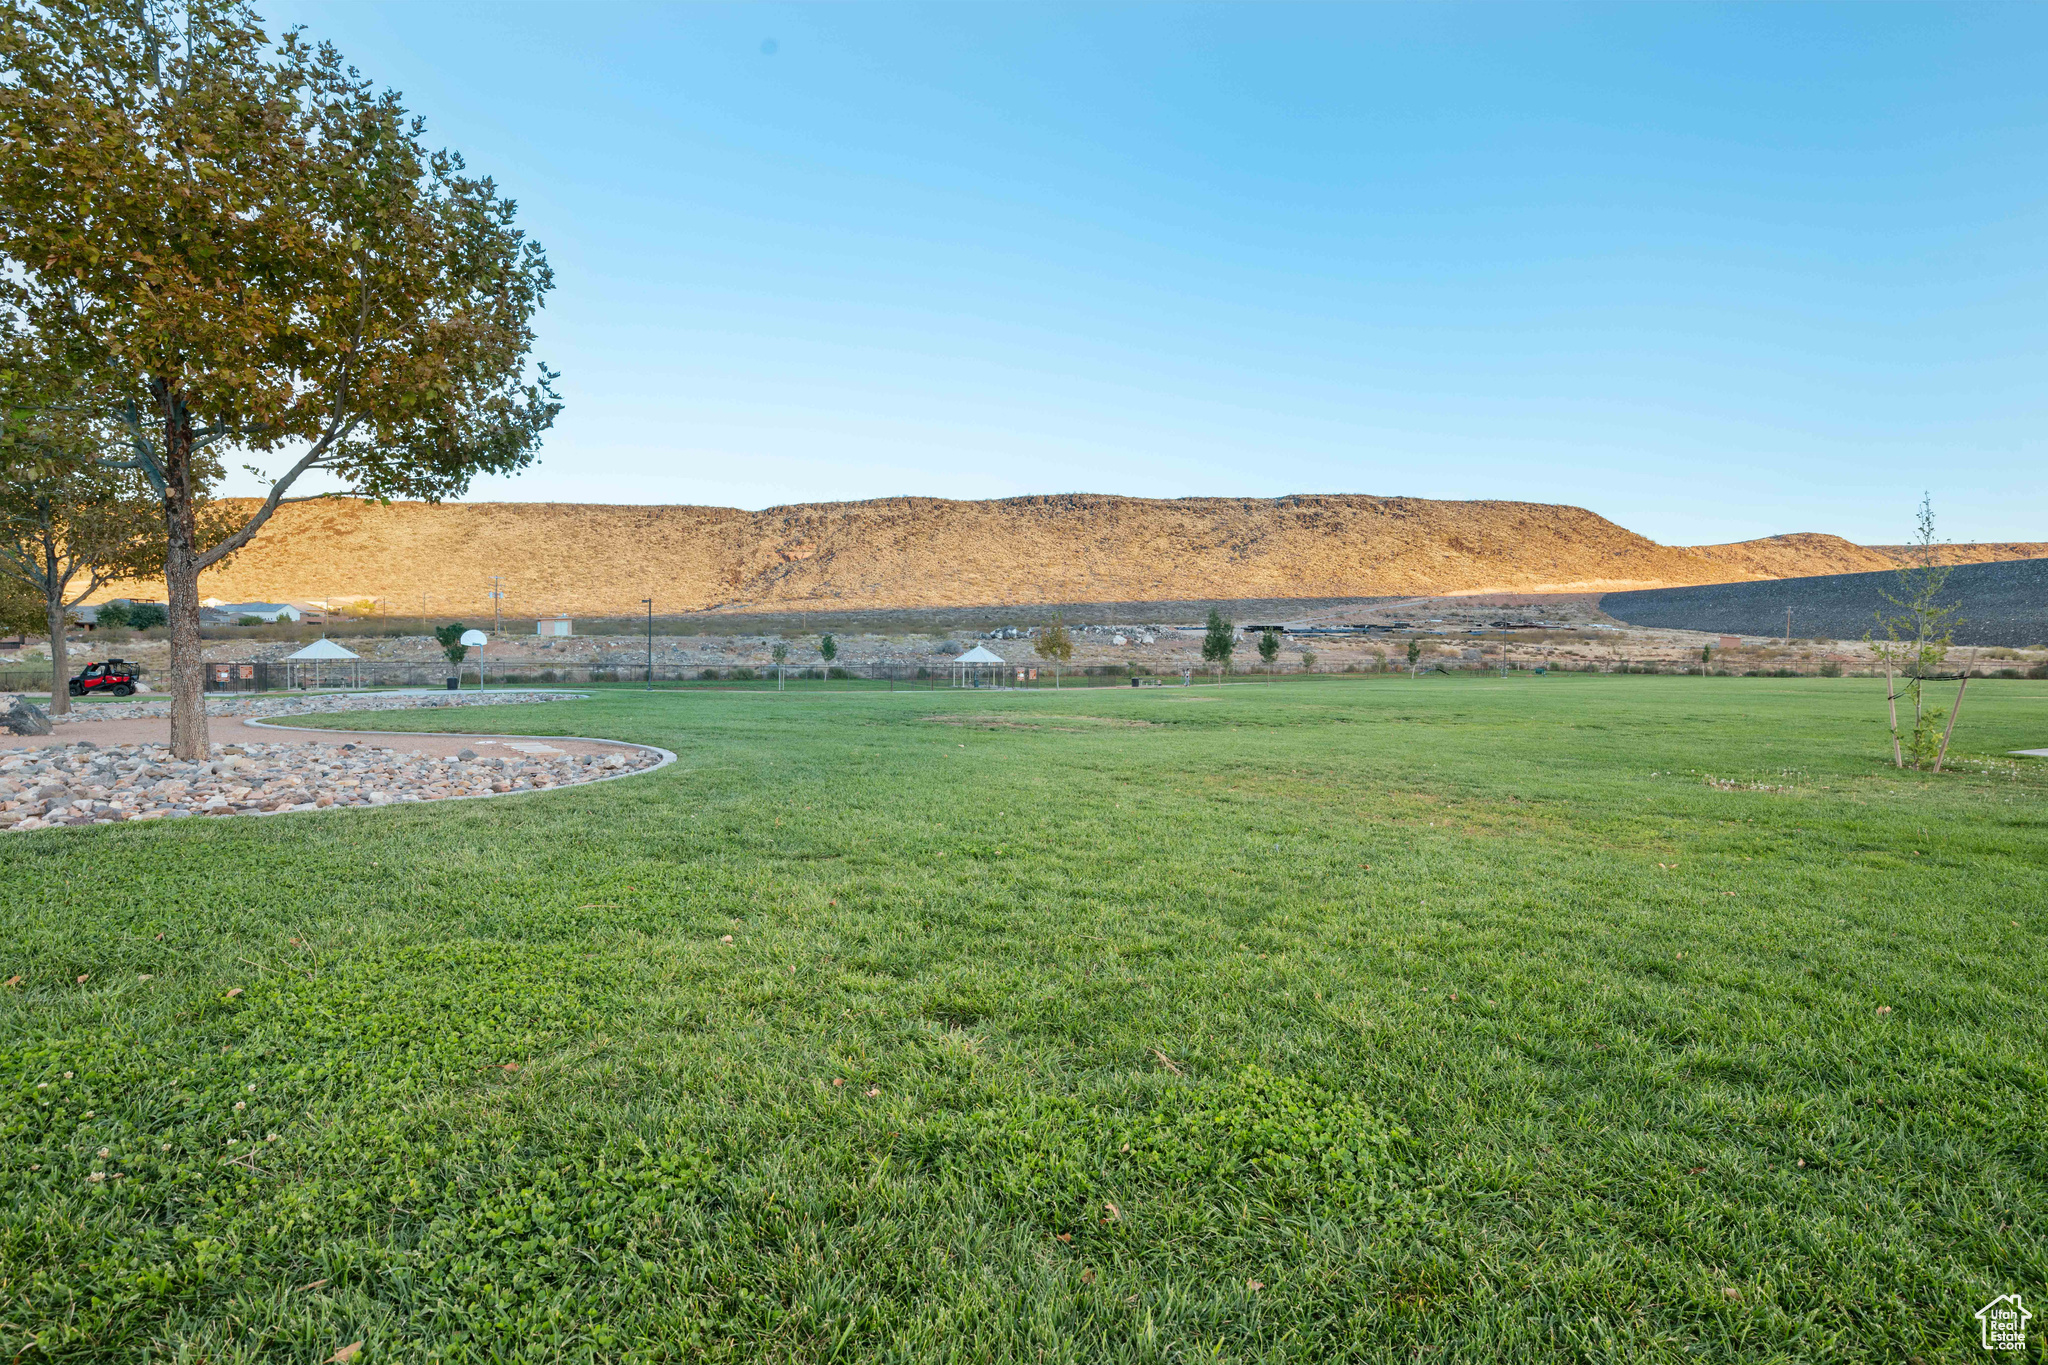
454 684
1134 682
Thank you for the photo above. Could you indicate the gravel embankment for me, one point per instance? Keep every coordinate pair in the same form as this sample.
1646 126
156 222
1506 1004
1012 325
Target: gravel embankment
85 784
1999 604
152 708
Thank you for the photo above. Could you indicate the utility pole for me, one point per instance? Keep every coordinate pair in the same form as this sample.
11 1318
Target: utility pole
650 642
1788 625
497 605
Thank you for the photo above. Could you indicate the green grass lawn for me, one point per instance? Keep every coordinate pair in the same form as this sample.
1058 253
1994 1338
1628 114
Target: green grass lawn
1567 1018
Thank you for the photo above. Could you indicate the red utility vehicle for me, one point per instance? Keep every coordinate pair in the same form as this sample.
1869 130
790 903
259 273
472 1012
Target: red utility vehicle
114 678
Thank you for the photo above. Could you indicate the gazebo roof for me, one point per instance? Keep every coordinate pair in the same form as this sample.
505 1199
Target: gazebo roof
323 648
978 655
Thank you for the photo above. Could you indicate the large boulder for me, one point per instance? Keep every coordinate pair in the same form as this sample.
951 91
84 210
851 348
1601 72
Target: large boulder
22 717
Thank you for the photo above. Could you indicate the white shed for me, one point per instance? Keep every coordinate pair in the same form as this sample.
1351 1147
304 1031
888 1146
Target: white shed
552 625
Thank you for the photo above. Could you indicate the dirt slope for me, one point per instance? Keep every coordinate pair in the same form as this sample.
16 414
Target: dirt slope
923 552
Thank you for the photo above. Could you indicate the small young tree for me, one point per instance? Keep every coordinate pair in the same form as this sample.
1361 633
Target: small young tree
226 242
63 534
1706 657
449 637
1414 653
828 650
1917 634
146 616
1055 644
1269 646
1308 661
1219 643
780 654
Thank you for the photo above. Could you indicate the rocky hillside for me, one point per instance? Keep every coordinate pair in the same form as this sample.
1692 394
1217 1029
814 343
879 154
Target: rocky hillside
928 552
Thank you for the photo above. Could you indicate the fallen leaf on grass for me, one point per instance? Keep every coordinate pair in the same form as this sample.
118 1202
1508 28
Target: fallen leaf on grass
1731 1292
345 1354
231 993
509 1066
1168 1061
83 979
839 1080
1064 1236
14 980
1088 1276
1697 1170
1116 1215
305 1287
874 1092
726 939
1255 1284
1884 1009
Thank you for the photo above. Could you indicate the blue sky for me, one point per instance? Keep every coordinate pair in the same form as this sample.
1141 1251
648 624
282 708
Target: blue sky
1712 271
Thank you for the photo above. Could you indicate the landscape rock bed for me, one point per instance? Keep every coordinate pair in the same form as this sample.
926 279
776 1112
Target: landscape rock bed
86 784
266 707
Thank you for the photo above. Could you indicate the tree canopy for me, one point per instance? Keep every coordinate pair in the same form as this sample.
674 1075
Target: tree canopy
228 244
1221 640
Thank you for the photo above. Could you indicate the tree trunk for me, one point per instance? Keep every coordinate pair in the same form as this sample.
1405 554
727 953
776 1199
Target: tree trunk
181 588
60 665
1955 711
1892 700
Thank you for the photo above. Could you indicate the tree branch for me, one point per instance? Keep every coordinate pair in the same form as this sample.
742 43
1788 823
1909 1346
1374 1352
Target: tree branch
310 460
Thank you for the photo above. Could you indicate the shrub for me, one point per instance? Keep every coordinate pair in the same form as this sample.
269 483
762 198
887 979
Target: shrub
743 674
2038 671
2007 673
708 675
249 621
924 672
836 671
1831 669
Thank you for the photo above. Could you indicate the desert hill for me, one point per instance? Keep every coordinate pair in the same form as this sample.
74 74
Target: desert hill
593 559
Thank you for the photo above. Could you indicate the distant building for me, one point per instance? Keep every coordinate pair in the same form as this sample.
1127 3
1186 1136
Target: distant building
552 625
231 613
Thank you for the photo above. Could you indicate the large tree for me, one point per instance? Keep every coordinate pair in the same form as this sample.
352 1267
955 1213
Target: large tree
234 245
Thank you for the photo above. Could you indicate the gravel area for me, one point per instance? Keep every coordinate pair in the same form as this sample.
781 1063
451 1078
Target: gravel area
83 783
2001 604
54 780
151 708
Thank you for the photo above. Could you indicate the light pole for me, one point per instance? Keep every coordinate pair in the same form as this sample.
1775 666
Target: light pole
650 642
